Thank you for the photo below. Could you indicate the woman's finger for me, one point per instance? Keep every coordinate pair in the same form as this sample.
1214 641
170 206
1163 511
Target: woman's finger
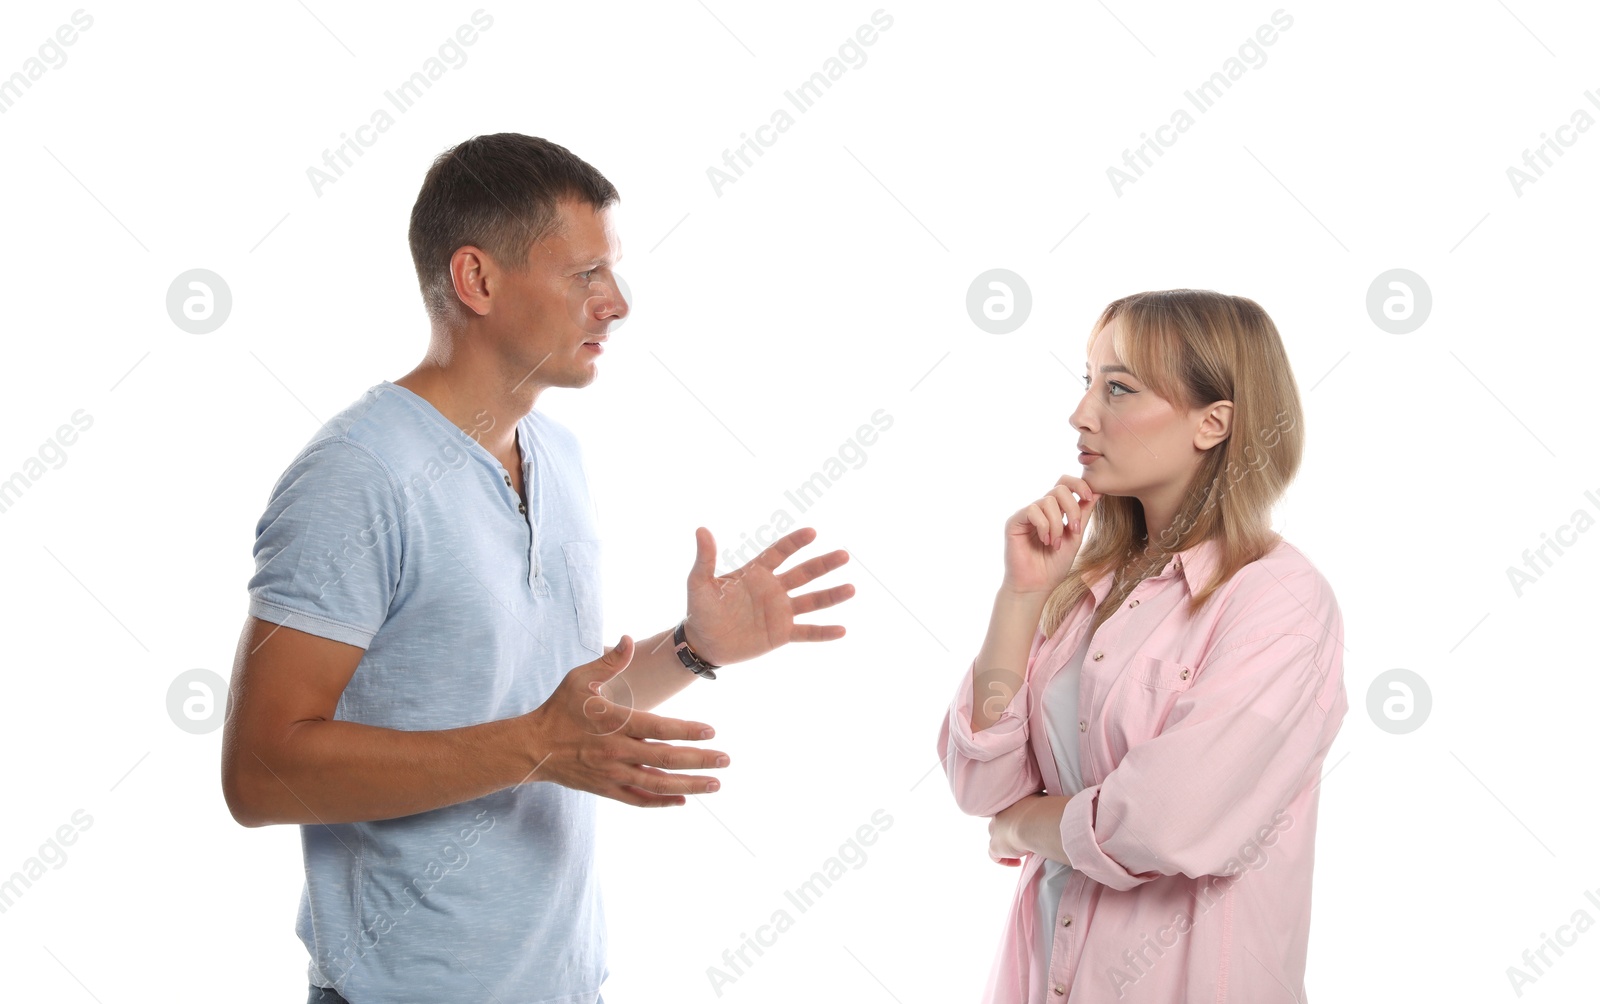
1072 508
1077 484
1036 518
1051 506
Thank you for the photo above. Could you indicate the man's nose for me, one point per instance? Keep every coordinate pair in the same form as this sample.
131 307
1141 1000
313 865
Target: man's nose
614 306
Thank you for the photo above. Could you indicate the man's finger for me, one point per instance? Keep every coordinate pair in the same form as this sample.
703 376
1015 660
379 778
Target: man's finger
807 602
630 795
681 757
705 555
614 661
647 726
816 567
784 546
816 632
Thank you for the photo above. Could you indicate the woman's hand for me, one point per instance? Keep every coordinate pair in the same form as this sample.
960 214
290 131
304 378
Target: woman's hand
1043 537
1004 845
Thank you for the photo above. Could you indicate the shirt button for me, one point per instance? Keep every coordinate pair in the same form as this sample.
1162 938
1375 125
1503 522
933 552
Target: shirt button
522 508
1098 656
508 480
1083 726
1061 991
1066 921
1134 603
1183 675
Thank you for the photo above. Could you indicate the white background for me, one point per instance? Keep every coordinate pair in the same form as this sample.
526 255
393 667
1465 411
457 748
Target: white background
769 322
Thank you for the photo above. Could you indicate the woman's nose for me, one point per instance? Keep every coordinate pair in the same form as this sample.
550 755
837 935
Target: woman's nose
1081 417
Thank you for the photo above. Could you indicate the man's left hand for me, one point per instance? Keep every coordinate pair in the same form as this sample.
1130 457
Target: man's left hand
749 611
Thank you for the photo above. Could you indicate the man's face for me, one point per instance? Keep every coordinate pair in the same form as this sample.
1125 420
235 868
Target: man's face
549 319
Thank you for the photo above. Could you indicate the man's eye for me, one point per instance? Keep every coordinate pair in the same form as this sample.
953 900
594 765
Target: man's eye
587 274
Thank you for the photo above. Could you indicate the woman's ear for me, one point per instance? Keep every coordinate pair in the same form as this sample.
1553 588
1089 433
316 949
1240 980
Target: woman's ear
1215 426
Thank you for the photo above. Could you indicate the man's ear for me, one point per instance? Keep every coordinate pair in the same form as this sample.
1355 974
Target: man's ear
470 271
1215 426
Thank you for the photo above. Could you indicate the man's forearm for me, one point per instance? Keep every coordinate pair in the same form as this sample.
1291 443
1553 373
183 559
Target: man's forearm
331 771
654 674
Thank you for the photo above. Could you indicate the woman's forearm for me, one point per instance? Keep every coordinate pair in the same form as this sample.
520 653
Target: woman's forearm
1002 664
1037 826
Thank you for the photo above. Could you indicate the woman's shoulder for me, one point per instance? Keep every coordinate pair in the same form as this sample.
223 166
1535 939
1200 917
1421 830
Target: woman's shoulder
1283 584
1287 557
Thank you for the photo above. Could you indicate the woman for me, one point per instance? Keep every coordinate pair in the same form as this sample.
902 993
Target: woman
1151 758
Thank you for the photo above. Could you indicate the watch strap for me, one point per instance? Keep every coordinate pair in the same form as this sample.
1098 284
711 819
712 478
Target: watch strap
690 659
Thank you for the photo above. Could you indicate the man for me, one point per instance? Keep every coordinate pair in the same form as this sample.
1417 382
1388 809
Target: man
427 578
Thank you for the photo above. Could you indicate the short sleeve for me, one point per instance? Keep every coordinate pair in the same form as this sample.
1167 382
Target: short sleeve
328 547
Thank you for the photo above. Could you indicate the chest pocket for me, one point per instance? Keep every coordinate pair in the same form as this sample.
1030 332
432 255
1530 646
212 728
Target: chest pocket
583 577
1144 701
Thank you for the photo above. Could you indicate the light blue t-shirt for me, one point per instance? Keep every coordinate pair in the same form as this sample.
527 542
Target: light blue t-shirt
396 531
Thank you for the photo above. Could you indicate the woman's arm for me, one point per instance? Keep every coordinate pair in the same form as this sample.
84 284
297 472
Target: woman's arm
1243 743
1032 825
1005 657
983 742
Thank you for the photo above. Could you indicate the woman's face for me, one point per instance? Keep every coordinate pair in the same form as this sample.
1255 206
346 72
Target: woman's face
1143 446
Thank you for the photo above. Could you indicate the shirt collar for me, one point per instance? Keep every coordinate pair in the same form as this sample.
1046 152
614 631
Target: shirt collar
1195 563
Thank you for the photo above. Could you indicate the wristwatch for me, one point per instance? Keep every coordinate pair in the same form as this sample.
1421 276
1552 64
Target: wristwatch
687 656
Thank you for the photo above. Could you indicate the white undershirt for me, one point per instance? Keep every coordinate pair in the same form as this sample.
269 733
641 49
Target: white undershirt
1060 711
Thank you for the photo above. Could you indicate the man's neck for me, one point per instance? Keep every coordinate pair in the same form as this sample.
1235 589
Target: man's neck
474 402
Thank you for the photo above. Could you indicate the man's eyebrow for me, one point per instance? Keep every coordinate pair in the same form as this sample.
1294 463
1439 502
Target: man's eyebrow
592 260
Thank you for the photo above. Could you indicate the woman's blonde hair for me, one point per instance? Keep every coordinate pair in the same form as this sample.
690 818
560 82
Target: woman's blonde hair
1194 347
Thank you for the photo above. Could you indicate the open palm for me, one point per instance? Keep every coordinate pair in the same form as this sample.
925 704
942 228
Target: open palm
749 611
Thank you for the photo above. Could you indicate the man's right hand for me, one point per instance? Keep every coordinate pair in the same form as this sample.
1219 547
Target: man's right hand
581 739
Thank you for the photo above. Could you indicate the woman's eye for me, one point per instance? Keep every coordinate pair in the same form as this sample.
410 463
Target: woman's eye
1109 383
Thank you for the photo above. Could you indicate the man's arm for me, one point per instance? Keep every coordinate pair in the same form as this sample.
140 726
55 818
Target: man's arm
656 672
285 759
734 617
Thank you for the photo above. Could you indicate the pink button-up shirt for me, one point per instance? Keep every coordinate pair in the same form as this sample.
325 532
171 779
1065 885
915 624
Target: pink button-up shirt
1201 743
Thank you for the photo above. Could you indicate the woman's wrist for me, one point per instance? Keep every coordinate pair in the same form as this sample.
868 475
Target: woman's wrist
1037 828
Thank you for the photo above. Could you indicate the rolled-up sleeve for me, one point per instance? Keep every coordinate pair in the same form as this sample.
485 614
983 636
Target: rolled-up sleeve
992 769
1237 748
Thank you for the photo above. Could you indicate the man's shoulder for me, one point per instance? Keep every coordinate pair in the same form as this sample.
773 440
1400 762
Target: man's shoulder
555 434
379 437
384 425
